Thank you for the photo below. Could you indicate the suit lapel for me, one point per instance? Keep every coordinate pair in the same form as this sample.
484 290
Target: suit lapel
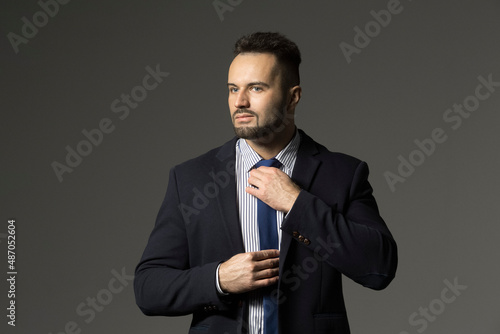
227 200
304 170
305 165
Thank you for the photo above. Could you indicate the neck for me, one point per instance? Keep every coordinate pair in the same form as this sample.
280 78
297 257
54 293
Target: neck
268 147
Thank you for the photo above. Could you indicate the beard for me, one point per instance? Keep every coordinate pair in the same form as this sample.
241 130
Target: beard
265 131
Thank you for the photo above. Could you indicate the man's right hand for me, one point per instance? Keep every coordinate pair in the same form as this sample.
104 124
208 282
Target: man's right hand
249 271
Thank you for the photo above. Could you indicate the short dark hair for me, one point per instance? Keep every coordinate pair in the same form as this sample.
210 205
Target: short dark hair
286 52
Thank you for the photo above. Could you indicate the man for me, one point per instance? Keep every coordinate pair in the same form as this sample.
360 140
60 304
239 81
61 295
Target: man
253 249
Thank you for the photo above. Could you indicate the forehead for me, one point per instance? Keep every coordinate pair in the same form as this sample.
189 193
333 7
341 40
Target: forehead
250 67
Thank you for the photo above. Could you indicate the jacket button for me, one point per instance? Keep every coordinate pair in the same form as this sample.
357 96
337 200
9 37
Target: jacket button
307 241
295 234
301 238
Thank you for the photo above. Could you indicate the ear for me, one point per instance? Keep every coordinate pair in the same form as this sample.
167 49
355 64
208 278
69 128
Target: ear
294 95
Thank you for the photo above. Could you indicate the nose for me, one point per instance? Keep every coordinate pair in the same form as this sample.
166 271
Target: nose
241 100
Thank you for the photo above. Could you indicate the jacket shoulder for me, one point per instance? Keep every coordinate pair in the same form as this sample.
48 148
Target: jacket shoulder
322 153
225 152
337 156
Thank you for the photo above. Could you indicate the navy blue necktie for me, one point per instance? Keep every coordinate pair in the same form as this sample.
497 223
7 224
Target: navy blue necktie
268 235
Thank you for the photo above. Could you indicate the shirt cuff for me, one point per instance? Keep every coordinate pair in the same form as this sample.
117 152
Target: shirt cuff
217 284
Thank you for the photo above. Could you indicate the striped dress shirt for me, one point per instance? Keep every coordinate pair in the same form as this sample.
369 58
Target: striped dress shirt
246 158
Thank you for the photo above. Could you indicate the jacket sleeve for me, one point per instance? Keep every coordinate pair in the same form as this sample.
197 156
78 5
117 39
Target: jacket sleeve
165 282
354 239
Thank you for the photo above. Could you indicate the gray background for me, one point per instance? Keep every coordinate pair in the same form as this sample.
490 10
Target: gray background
72 234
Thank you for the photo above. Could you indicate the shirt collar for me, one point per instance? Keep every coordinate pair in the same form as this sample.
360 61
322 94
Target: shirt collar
286 156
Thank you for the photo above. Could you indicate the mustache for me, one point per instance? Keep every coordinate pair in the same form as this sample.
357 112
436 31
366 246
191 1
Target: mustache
244 111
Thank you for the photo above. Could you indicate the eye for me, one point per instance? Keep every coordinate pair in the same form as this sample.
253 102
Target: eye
233 89
256 89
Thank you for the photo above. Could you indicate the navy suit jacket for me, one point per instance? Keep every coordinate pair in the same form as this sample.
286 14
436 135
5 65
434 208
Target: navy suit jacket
333 228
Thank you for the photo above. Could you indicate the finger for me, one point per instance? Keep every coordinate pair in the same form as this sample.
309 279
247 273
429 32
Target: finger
266 264
268 273
264 174
262 283
256 173
256 176
252 191
254 181
266 170
265 254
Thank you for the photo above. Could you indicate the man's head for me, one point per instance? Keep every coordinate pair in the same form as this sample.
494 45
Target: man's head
286 52
263 82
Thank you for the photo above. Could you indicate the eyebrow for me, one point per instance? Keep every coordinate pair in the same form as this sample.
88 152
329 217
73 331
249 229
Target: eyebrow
255 83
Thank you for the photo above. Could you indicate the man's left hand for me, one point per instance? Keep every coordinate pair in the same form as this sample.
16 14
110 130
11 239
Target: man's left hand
273 187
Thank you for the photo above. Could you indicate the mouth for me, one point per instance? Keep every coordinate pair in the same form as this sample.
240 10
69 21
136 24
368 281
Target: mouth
243 117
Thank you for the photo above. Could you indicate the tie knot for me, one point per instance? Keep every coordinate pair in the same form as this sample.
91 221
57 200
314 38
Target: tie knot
268 163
